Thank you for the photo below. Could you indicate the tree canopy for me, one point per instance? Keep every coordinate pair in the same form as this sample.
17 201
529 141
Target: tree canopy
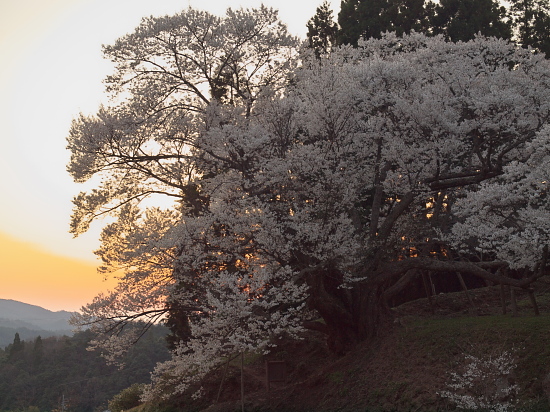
45 371
532 20
306 188
462 20
322 30
372 18
526 22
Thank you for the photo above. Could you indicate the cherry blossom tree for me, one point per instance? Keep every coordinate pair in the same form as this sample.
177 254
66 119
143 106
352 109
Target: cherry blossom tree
317 193
176 77
398 134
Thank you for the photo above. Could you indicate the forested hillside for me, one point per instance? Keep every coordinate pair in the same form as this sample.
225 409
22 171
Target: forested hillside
29 334
43 372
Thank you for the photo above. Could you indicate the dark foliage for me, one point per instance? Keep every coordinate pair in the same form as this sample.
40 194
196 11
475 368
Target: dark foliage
462 20
527 22
7 333
371 18
531 20
42 372
322 30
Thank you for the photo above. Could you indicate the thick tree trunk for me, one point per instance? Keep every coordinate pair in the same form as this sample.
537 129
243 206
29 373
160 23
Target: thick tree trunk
356 312
365 324
374 311
350 316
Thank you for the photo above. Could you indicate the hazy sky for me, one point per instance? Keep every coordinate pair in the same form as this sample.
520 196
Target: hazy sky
34 276
51 69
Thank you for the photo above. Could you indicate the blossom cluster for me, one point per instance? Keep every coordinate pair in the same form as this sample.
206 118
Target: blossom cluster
484 383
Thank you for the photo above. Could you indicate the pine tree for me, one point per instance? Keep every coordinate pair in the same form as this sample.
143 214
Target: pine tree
531 20
17 346
361 18
322 30
462 20
408 15
371 18
38 351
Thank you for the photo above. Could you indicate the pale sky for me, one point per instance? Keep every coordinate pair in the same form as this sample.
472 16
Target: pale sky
51 69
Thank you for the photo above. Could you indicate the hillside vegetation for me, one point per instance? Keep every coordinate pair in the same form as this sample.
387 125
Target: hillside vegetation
41 374
26 333
405 368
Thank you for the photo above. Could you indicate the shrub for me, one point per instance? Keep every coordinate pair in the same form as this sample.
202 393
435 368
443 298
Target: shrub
484 383
127 399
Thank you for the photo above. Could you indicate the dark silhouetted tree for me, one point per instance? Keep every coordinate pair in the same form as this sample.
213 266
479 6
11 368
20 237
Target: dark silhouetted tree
177 321
322 30
371 18
358 18
531 20
17 346
38 351
406 16
461 20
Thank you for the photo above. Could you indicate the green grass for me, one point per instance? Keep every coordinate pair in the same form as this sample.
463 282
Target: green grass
435 344
445 340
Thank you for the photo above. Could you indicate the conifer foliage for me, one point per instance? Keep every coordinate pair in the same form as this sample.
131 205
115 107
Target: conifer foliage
462 20
372 18
322 30
46 372
526 22
532 21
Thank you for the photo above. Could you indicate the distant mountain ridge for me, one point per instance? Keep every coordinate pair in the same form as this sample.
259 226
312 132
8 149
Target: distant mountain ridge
30 321
14 314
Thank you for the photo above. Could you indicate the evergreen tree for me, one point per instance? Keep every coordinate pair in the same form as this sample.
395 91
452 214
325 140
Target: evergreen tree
322 30
17 346
531 20
38 351
361 18
178 323
66 367
461 20
408 15
371 18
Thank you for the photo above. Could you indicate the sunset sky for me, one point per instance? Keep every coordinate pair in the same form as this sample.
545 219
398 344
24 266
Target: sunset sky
51 69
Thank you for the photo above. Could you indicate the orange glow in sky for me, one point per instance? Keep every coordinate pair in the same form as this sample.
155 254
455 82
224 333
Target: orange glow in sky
31 275
51 69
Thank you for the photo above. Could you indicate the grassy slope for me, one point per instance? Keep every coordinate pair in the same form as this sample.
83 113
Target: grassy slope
405 367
